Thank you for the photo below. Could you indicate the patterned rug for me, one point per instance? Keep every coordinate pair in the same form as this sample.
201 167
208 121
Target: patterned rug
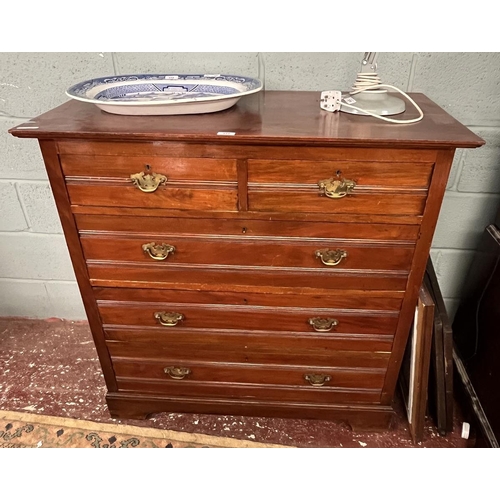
27 430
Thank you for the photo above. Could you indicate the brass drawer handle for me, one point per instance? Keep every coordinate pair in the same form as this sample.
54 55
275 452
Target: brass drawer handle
323 324
336 187
158 252
177 372
148 182
317 380
331 257
168 318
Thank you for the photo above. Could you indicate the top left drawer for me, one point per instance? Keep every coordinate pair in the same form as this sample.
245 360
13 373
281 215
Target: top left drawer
175 169
151 181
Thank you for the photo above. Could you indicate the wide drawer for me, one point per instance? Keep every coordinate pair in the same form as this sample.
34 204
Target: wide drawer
343 187
277 375
177 316
169 250
249 382
240 327
160 252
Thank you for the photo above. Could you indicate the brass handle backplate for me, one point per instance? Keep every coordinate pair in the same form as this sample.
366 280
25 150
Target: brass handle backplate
169 318
177 372
148 182
323 324
158 252
335 187
317 380
331 257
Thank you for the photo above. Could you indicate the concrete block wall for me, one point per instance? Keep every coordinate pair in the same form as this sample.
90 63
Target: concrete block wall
36 277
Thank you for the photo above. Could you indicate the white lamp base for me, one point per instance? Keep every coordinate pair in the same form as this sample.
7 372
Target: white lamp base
379 103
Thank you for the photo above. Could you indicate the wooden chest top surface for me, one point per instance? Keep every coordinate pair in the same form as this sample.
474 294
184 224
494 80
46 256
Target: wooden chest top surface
269 117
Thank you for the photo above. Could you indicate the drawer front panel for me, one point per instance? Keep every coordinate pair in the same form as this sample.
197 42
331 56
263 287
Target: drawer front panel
246 318
176 169
302 376
309 200
254 348
183 197
179 149
254 393
244 228
242 279
379 188
144 342
374 301
364 173
247 252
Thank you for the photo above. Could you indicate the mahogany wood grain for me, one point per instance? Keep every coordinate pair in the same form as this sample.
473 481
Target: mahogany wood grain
237 288
245 317
264 216
150 342
253 279
240 348
283 117
172 148
359 417
61 198
301 199
233 373
245 228
364 173
175 169
247 252
242 166
178 198
343 299
246 393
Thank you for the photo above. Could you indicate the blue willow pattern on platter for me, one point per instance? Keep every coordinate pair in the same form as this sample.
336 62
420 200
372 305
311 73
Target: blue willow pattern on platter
142 87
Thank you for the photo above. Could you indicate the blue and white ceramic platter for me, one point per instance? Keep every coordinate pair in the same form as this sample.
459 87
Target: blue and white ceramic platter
164 94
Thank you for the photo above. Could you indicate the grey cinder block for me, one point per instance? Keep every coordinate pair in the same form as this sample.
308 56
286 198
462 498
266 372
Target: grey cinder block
11 212
35 256
40 207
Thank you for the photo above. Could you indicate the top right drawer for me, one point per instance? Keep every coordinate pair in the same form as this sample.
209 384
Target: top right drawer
344 187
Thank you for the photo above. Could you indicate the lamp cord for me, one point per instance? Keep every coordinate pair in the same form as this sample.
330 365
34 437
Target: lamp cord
372 82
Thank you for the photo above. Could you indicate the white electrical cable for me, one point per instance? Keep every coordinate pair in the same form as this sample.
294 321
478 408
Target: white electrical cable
365 80
372 82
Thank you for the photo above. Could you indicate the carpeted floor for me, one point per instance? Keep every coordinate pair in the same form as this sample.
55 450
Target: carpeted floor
50 367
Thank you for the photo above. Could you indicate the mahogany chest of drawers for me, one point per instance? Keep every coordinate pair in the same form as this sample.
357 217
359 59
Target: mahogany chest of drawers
272 271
